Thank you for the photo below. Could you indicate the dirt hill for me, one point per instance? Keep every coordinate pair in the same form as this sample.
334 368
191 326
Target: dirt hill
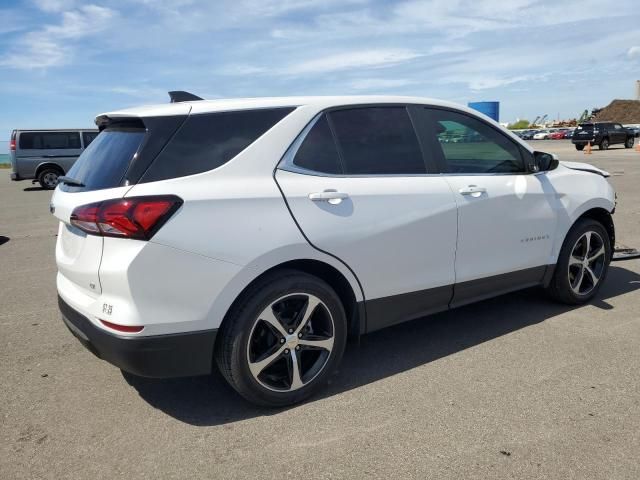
621 111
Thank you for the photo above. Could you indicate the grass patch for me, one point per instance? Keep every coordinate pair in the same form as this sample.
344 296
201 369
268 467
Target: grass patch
5 165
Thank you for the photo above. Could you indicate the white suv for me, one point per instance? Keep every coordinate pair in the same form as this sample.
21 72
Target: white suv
259 234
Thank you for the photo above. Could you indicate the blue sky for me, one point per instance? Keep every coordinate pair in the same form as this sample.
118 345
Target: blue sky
64 61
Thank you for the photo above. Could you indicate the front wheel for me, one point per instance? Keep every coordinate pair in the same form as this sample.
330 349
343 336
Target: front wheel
628 143
282 339
580 147
604 144
582 264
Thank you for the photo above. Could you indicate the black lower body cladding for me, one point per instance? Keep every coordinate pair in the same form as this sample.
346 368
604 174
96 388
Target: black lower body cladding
159 356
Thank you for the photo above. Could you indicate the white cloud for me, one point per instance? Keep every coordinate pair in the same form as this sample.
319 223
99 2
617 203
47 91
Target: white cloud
486 82
372 84
634 53
240 70
53 44
54 5
351 60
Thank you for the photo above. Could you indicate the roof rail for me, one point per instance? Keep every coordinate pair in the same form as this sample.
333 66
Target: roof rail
180 96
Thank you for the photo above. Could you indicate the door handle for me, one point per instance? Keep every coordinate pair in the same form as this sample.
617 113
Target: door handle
332 196
473 190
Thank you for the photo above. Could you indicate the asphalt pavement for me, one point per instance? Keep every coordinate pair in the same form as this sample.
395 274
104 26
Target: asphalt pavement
513 387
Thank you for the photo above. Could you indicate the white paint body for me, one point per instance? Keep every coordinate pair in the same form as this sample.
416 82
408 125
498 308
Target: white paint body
393 235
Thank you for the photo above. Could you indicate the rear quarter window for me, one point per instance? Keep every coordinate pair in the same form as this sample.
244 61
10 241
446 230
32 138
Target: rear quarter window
207 141
88 137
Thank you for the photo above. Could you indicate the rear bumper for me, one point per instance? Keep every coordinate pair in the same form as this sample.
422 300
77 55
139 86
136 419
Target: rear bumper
159 356
14 176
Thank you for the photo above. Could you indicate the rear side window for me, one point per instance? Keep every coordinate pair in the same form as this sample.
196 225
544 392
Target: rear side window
49 140
377 141
88 137
318 151
207 141
103 164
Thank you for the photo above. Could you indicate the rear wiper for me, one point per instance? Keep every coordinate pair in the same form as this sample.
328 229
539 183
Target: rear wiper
70 181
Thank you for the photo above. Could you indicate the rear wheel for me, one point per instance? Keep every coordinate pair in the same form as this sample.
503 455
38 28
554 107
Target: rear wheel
580 147
628 143
48 178
604 144
283 339
582 264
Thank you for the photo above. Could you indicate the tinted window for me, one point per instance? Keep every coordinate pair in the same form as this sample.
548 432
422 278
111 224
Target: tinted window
49 140
377 140
104 163
472 146
207 141
88 137
318 151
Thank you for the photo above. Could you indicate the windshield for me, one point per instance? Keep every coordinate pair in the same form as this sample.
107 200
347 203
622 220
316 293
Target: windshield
105 161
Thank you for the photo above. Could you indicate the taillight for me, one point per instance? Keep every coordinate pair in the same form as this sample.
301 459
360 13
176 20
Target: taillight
135 217
12 142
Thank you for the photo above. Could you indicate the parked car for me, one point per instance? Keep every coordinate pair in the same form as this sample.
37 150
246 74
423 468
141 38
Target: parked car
45 155
568 134
541 135
258 234
602 134
557 135
528 134
634 129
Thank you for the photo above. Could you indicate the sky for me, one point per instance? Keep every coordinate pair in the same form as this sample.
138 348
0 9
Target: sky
64 61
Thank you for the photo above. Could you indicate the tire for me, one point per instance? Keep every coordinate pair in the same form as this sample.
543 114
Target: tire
628 143
570 265
580 147
257 358
604 144
48 178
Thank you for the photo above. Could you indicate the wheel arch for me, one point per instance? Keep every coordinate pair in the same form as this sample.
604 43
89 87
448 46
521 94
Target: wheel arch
44 165
354 309
604 217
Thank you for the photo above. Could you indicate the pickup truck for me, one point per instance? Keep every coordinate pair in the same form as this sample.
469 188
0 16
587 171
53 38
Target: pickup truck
602 134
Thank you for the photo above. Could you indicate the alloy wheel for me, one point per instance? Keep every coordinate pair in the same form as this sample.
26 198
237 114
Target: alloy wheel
587 263
290 342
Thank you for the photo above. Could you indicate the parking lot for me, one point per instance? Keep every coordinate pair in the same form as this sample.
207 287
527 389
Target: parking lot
513 387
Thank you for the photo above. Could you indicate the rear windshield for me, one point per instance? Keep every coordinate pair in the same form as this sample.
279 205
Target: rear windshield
104 162
585 126
207 141
49 140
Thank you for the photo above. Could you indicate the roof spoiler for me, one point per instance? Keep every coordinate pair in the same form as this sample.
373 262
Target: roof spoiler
180 96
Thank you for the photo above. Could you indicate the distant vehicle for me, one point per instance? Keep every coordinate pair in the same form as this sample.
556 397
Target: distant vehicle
250 234
527 134
634 129
602 134
557 135
568 134
44 155
541 135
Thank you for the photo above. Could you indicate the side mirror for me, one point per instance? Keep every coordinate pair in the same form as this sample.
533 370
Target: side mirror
545 161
